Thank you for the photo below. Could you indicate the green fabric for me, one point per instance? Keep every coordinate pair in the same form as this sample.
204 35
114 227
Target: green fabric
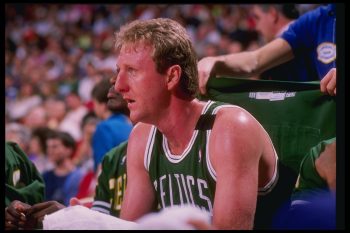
23 182
309 180
112 180
297 119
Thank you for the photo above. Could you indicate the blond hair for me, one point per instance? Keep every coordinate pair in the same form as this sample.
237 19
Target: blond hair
171 46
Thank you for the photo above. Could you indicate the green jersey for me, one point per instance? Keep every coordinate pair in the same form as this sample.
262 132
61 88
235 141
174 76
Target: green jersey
188 178
309 181
111 182
23 181
296 115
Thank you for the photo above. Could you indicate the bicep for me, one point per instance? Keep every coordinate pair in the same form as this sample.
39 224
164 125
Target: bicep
139 195
235 155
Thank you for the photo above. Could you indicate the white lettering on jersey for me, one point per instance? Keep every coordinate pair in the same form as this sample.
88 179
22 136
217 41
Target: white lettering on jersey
170 191
184 187
185 184
162 193
178 184
202 183
190 179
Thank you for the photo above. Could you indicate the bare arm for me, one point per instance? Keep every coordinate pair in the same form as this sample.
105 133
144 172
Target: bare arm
139 194
244 64
326 165
235 149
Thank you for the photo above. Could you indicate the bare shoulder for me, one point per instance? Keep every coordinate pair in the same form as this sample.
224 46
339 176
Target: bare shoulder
235 118
235 128
138 138
140 129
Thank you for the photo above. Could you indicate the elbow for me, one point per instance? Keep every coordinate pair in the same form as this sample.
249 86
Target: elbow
250 69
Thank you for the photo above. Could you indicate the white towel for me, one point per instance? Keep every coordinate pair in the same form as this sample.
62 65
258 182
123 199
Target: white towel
173 218
82 218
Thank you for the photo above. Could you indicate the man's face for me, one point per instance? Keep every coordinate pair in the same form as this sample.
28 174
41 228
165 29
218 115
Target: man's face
264 23
56 151
140 84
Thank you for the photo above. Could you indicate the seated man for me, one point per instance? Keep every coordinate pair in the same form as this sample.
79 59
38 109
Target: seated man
211 155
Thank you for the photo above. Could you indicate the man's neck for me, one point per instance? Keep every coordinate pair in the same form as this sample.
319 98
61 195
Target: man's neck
283 27
179 124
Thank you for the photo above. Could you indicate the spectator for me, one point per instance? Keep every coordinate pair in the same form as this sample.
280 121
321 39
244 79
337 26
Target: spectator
37 149
19 134
62 182
72 120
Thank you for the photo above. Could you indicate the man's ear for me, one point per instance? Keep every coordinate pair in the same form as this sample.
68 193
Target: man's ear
274 14
173 76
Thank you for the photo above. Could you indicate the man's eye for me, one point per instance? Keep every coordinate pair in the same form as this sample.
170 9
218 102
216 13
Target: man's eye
131 71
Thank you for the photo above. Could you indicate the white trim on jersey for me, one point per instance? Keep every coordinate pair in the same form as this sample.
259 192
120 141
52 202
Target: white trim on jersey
102 203
211 170
149 147
272 183
102 210
207 106
178 158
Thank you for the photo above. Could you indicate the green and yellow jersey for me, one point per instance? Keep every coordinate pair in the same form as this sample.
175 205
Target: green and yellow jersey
23 181
309 182
111 182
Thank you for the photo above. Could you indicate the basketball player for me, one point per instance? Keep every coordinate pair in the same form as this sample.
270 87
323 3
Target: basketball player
185 151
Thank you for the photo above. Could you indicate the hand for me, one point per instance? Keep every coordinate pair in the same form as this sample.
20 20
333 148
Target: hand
75 201
87 201
329 82
15 215
205 69
38 211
